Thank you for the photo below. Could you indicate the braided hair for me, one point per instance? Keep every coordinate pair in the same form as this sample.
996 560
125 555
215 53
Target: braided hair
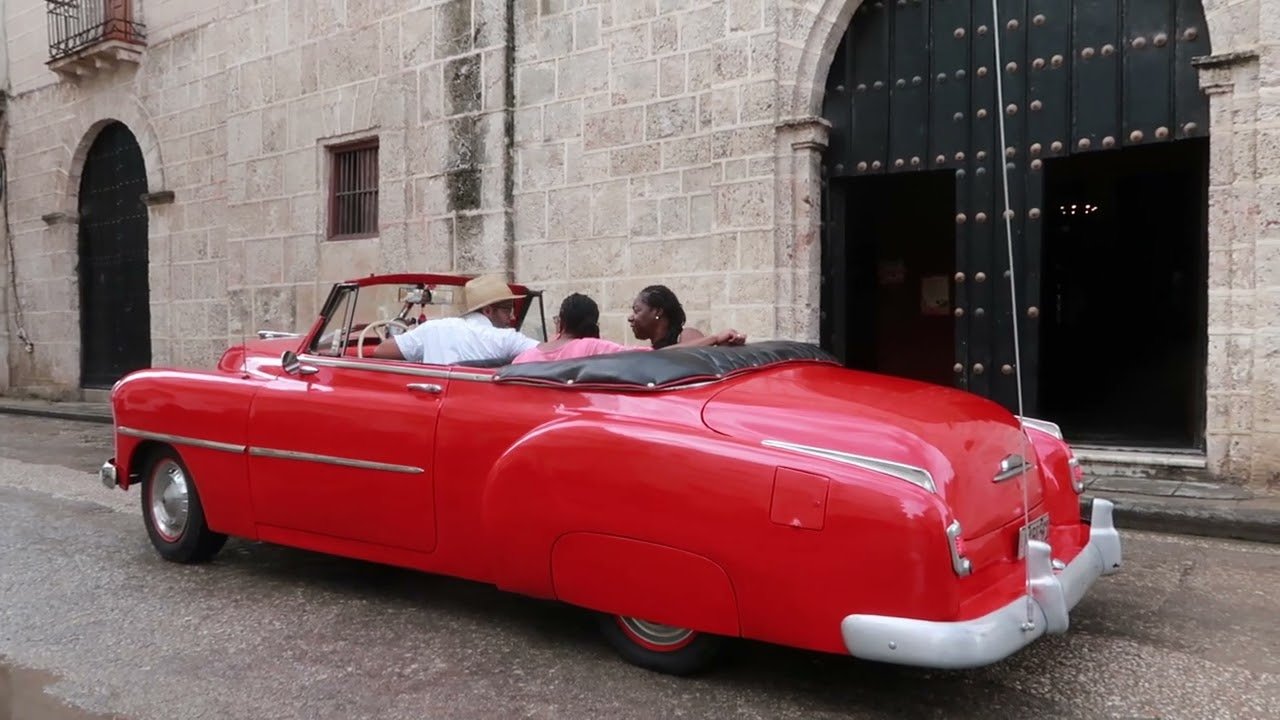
580 316
660 298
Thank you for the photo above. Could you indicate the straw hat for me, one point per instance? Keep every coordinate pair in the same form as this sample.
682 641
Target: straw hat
486 290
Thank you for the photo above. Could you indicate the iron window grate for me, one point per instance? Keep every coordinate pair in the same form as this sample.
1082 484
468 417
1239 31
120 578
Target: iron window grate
353 190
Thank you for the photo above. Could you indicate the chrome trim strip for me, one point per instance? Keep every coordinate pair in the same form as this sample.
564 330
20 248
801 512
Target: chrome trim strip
333 362
332 460
1043 426
179 440
276 334
428 372
910 473
1076 484
1011 467
471 376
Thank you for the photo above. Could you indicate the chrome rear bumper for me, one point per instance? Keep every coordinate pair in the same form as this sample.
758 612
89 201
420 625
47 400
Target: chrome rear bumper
999 634
107 474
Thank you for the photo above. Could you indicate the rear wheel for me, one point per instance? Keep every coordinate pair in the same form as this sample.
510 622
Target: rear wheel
172 511
661 648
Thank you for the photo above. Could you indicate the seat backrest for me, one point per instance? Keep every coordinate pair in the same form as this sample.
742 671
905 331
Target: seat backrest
486 362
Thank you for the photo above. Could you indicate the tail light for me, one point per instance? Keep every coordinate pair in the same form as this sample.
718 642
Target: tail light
1077 475
959 562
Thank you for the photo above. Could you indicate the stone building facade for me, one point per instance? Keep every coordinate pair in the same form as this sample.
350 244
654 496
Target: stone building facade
577 145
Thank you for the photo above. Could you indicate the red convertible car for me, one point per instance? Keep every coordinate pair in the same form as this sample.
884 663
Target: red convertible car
684 495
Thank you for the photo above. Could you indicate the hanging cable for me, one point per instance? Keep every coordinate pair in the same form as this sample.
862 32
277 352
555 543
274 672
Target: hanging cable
1001 112
11 250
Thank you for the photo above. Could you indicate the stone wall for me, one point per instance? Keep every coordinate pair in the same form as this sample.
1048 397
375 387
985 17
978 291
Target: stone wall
5 292
645 154
173 107
1242 79
582 145
234 105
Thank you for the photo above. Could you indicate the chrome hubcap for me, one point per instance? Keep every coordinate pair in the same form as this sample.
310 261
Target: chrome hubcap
656 633
169 499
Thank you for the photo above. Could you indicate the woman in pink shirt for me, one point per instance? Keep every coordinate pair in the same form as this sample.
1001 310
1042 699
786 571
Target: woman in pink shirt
578 335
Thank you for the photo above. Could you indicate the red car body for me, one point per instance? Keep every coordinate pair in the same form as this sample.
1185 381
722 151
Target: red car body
781 498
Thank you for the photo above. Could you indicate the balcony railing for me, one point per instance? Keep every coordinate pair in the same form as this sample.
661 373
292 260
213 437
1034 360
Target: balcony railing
75 25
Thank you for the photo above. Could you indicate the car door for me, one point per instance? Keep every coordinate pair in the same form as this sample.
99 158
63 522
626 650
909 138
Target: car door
344 448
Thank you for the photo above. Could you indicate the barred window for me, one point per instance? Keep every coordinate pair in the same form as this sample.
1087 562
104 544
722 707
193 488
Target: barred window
353 190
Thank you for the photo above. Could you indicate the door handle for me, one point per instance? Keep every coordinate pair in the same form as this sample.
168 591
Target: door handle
430 388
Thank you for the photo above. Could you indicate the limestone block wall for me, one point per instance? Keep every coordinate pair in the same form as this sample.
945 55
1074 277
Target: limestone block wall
234 105
173 107
645 154
427 79
1242 80
4 217
582 145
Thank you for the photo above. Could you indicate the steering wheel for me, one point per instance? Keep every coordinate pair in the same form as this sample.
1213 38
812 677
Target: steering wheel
378 324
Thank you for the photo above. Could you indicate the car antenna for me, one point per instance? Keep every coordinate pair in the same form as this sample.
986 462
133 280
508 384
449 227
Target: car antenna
1013 294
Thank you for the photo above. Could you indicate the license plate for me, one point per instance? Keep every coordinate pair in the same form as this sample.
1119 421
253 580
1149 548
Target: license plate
1037 529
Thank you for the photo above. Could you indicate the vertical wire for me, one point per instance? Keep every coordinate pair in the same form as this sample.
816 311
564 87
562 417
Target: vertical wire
1013 285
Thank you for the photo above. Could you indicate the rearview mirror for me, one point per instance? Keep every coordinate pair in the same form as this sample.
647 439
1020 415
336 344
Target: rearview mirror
293 366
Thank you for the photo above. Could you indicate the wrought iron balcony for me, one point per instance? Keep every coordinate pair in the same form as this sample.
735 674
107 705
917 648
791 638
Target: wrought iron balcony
88 34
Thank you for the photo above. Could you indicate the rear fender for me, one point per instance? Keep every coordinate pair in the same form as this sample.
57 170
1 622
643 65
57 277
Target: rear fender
630 529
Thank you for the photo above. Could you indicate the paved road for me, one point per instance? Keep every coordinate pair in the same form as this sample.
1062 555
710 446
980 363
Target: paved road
1190 629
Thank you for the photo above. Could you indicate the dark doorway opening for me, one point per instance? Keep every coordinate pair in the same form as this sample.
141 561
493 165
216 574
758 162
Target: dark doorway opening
115 311
891 257
1124 295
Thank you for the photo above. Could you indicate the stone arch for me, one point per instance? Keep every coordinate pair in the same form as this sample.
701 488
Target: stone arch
808 36
829 19
84 131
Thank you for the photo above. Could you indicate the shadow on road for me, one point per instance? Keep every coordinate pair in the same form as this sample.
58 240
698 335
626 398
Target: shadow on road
820 682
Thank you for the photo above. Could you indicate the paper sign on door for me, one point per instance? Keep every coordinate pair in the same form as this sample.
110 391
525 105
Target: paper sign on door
935 295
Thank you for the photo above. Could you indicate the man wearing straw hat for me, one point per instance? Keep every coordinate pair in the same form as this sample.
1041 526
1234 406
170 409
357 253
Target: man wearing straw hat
484 331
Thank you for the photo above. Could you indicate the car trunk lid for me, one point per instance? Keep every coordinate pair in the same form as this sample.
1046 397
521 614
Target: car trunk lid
960 438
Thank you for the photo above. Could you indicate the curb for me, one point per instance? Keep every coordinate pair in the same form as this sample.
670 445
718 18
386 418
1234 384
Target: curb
58 413
1206 520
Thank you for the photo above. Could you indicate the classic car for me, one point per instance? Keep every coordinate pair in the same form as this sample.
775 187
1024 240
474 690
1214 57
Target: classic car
683 496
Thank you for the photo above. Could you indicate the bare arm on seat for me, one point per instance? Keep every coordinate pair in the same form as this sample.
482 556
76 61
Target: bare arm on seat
388 350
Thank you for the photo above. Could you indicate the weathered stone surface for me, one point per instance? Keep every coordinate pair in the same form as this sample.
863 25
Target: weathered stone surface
648 137
611 128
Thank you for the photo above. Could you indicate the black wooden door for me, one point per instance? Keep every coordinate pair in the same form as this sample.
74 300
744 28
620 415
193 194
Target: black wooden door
913 89
115 313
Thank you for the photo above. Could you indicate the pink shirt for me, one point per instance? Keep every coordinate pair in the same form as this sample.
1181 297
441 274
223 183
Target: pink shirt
576 348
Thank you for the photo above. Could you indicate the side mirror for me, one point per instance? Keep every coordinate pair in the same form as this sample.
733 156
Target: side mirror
293 366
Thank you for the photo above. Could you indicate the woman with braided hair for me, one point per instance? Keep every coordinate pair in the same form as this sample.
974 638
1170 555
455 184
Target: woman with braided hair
658 316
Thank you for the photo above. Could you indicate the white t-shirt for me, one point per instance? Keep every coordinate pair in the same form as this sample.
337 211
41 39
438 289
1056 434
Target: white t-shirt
471 337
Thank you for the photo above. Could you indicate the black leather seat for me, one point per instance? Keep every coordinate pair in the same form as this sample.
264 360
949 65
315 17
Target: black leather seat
663 368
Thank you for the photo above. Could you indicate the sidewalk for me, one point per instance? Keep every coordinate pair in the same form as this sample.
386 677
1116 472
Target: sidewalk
1175 506
1189 508
84 411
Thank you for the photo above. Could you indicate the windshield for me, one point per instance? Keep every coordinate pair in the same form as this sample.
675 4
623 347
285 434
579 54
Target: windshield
357 319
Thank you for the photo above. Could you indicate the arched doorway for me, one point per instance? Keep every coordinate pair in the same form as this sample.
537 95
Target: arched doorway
1107 155
115 312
